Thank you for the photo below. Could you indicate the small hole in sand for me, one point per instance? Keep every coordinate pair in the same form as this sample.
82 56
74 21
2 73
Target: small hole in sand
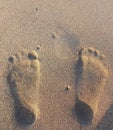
38 47
36 9
11 59
67 88
53 36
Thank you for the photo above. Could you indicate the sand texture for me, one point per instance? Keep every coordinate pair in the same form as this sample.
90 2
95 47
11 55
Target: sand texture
56 65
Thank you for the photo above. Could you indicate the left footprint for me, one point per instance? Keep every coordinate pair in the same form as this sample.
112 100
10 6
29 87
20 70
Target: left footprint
23 79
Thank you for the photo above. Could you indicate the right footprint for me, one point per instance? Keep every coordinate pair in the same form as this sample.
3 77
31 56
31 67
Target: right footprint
91 77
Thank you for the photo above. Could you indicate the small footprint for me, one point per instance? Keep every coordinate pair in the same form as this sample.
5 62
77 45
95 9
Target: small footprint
91 77
23 80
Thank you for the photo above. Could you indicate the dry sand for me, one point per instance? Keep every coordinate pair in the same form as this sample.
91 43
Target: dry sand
60 28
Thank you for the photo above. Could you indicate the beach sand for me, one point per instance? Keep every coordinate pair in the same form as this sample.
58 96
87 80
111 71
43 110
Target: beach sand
57 30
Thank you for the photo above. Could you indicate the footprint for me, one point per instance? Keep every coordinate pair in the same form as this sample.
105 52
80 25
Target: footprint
23 79
91 77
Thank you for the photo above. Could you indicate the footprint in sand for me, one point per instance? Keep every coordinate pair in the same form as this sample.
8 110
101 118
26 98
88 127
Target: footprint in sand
23 80
91 77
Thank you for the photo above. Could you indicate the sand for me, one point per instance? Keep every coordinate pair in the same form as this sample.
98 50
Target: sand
56 30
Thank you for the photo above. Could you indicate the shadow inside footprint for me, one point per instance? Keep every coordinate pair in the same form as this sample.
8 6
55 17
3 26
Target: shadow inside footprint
78 70
23 116
83 112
